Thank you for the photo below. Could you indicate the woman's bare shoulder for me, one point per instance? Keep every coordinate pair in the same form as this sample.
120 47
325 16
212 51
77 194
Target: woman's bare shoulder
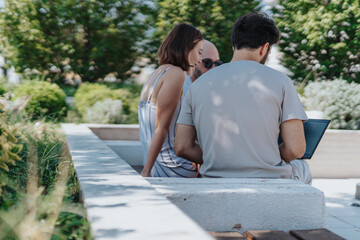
175 72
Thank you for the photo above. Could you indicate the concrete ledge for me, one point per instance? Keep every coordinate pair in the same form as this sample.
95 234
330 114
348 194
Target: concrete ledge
115 131
121 204
337 156
244 204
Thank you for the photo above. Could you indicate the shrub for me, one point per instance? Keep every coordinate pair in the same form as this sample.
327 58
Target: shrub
320 39
9 144
88 94
338 99
47 100
107 111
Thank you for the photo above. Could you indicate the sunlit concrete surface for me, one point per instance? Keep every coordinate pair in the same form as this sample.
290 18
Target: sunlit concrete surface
341 217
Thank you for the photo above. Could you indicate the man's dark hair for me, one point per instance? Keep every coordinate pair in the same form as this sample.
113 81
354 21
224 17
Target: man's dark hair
177 45
253 30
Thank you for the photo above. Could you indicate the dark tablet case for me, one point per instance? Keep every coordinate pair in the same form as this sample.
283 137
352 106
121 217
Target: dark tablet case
314 129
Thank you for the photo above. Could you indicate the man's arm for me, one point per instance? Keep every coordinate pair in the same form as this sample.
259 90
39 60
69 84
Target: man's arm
292 134
185 144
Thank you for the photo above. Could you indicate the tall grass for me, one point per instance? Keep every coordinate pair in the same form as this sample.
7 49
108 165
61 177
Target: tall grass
40 194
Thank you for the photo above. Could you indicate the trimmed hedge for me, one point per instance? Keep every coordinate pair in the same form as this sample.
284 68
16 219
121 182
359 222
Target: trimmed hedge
47 100
88 94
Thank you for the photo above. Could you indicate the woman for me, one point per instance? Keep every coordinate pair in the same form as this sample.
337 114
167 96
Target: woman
160 103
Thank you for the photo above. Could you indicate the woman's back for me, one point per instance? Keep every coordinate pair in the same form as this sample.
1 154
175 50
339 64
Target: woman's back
160 103
147 124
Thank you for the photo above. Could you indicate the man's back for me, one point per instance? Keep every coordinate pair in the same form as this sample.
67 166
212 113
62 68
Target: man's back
237 109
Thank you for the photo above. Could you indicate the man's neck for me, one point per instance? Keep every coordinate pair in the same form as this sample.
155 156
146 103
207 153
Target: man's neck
245 54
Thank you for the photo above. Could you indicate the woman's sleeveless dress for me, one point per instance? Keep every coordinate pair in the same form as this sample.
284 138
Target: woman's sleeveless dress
167 164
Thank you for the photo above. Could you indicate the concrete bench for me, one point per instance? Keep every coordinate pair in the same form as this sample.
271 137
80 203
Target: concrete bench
258 204
214 204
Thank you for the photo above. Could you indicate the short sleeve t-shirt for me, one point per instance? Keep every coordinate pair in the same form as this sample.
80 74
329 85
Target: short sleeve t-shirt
237 109
187 85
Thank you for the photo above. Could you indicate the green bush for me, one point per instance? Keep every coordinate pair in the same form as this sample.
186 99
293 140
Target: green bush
320 39
88 94
47 100
9 144
337 99
107 111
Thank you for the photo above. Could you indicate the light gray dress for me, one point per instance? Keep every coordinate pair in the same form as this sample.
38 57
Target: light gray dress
167 163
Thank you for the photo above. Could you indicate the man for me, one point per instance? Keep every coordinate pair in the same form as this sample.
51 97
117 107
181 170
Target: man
210 59
238 109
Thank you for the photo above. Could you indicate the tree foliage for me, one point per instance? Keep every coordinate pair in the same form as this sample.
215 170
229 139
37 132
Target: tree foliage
90 38
213 18
320 38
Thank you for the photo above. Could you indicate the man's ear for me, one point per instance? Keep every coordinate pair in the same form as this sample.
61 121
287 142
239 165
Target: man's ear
263 49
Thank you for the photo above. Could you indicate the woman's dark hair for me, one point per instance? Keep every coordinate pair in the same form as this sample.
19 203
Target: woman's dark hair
177 45
253 30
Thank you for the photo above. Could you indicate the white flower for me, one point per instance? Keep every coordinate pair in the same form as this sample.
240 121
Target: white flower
67 67
285 35
344 35
54 69
42 10
317 66
35 71
279 7
355 68
331 34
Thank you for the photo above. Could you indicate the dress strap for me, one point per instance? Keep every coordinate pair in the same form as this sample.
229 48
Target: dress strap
153 88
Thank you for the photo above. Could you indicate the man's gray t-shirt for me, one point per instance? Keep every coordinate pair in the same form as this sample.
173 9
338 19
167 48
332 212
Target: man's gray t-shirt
237 109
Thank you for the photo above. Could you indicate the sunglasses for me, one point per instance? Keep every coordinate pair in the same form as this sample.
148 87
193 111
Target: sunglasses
209 64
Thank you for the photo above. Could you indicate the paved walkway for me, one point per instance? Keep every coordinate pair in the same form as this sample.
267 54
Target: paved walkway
341 218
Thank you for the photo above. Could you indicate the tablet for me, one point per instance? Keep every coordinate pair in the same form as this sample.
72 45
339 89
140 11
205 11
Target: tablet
314 130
